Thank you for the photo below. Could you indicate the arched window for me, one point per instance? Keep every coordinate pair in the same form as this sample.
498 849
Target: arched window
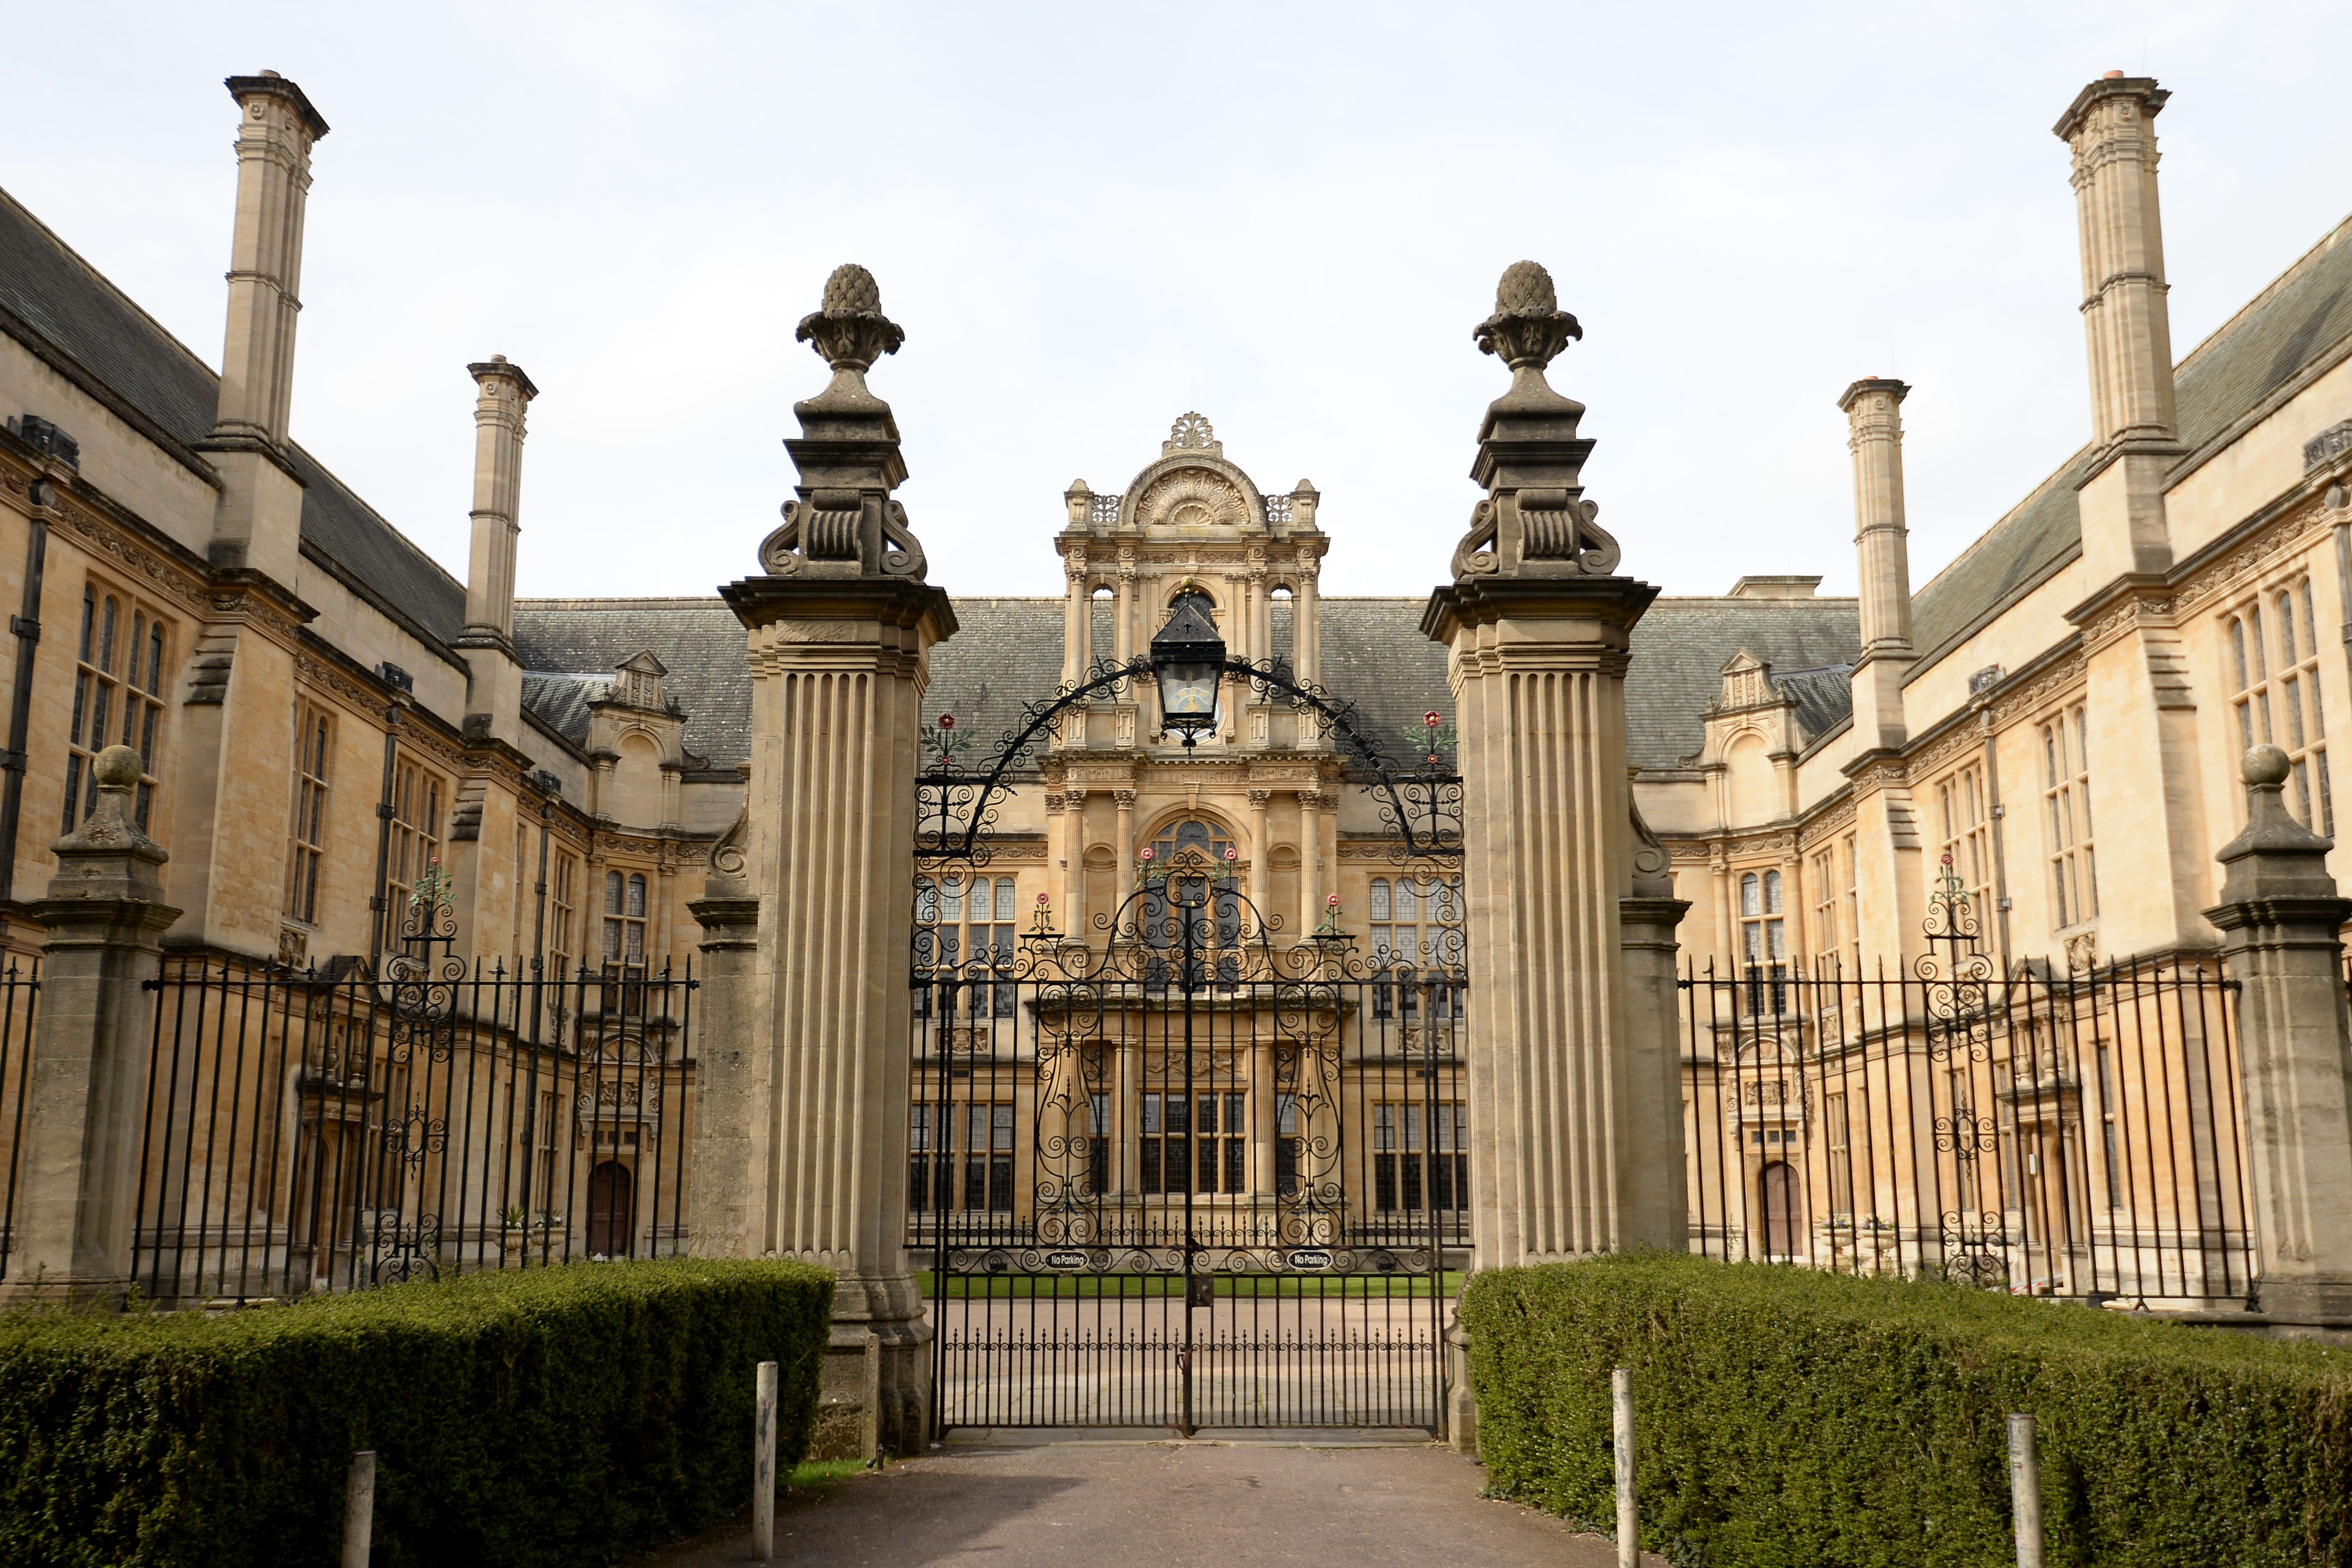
1194 596
1188 870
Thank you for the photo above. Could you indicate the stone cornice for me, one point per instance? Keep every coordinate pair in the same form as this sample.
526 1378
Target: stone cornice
1829 818
2150 97
1614 601
761 602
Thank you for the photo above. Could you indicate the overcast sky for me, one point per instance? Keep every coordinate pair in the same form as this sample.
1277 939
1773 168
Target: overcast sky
1091 219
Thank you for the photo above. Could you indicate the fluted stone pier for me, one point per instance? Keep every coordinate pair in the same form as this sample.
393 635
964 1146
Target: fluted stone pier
1575 1116
840 626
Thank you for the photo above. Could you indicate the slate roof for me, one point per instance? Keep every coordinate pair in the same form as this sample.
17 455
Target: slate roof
1824 697
1009 653
1681 645
570 647
125 357
2300 319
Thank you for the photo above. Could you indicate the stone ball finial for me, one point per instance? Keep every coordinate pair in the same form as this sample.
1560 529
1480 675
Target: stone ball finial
2264 768
1526 287
116 768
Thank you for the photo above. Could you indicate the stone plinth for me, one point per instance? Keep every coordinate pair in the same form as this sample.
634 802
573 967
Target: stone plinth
2279 914
78 1187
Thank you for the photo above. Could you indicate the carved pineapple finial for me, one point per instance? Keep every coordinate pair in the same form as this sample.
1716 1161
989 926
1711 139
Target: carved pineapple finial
850 330
1528 328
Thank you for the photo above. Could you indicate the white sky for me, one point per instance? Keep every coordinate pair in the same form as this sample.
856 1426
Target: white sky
1092 218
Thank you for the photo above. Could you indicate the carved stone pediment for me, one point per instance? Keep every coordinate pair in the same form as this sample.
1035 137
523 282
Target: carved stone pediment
1192 499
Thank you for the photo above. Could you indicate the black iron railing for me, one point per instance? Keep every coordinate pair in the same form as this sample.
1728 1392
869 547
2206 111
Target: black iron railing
333 1128
20 990
2067 1134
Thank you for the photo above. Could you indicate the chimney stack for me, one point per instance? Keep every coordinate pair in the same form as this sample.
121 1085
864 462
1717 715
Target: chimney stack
258 519
495 691
2128 331
1875 421
497 487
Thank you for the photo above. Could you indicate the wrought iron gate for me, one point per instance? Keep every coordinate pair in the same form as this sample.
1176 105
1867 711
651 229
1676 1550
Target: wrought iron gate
1181 1176
1183 1168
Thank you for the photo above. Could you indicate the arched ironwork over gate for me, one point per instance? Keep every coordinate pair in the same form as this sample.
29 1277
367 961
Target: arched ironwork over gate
1170 1164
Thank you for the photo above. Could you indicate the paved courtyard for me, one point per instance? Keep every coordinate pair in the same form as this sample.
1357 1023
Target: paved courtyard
1200 1504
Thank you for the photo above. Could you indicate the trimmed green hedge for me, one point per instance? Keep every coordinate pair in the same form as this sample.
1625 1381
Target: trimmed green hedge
1785 1417
542 1416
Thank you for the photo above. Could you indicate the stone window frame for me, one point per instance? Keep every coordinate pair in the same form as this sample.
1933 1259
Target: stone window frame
2068 835
951 1160
1854 900
1432 910
110 611
313 792
1965 836
1405 1151
948 911
1822 865
1224 1148
1760 902
563 903
2268 665
420 797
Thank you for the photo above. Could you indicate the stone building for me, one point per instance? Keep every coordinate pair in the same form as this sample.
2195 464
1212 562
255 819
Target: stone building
323 712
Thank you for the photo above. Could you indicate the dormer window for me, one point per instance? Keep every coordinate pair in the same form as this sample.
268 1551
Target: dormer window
638 682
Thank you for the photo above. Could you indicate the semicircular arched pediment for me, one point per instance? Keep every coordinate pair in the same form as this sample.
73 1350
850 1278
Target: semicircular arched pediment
1192 497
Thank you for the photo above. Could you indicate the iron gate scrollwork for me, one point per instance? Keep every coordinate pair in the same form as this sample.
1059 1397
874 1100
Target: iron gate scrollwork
1176 1166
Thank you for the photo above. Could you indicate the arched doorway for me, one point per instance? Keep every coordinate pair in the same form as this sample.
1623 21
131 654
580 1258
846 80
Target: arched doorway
1783 1210
610 1210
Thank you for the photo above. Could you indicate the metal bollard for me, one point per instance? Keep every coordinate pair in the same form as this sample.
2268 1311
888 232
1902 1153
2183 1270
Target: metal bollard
2025 1491
763 1468
359 1510
1628 1516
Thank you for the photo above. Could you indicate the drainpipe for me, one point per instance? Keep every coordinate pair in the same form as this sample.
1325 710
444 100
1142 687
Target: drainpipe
26 625
384 832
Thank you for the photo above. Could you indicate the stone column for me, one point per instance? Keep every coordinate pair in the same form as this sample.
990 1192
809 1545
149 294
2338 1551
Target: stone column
1122 617
2280 915
1074 875
1306 624
734 1147
1310 858
841 626
1874 421
1078 623
1260 851
1570 1149
77 1185
1126 799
